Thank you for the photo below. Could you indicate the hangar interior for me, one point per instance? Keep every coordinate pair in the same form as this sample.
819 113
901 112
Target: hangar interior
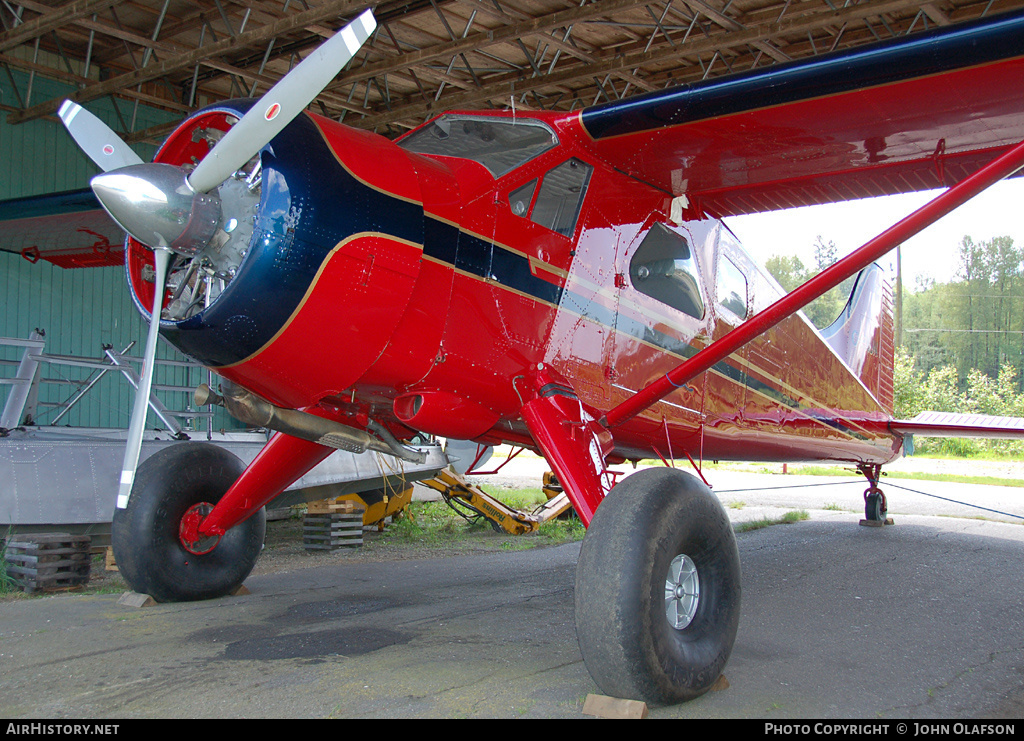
142 65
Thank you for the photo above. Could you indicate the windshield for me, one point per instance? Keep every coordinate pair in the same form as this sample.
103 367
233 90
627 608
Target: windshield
499 144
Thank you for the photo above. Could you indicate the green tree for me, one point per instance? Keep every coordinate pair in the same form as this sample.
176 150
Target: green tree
790 272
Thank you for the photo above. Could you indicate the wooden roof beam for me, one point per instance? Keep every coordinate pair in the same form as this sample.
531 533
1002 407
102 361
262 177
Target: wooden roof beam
716 43
204 55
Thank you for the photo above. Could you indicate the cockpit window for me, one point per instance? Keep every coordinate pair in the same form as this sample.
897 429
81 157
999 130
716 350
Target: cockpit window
499 144
732 287
664 268
561 195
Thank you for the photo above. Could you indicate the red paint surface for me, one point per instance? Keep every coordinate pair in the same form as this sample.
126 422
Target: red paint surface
384 320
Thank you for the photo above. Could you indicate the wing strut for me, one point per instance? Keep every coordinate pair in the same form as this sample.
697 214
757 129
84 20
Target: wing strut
1001 167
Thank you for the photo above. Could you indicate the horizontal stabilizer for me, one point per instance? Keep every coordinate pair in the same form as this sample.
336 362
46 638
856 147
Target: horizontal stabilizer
955 424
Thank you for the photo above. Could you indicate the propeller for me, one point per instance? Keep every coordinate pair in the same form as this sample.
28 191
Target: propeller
170 211
161 206
96 139
281 104
138 422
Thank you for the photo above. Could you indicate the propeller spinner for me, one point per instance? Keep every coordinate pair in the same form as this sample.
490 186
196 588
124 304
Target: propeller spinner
169 210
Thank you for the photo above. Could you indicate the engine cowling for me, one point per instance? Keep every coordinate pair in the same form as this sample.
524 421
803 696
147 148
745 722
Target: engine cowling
313 263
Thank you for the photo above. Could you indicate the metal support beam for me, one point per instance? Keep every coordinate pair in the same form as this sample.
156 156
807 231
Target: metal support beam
25 386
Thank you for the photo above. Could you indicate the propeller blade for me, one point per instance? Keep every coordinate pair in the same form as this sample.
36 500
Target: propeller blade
96 139
281 104
162 259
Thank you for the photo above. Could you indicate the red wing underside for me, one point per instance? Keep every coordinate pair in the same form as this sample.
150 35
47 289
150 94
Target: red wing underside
914 114
66 229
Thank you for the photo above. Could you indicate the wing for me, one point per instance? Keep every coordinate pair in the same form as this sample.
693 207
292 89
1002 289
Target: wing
954 424
914 113
67 229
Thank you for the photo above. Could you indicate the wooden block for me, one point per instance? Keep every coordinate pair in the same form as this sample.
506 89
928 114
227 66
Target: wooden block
602 706
877 523
134 599
110 563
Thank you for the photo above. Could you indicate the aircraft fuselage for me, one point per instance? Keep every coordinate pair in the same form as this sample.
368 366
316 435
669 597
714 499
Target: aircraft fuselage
417 283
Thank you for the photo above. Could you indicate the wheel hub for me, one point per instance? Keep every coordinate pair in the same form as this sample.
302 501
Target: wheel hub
188 533
682 591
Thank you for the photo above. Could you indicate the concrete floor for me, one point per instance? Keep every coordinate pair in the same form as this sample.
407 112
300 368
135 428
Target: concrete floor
921 620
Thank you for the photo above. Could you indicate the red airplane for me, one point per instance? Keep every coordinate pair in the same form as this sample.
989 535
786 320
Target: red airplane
559 281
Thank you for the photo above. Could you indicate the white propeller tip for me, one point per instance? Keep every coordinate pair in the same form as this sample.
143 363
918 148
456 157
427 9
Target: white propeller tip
68 110
368 21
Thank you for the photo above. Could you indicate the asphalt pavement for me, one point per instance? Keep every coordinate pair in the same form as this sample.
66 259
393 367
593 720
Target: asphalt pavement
918 620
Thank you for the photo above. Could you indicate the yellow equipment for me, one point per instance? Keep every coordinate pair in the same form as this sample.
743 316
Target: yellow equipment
463 497
377 504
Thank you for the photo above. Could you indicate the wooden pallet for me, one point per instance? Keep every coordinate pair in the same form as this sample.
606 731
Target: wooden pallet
328 532
48 561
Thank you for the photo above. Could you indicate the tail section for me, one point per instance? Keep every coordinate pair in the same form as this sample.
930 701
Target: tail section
863 335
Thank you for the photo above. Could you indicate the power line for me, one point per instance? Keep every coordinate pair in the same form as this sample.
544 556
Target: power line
969 331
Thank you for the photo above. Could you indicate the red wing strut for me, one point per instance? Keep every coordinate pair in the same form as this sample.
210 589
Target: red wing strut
860 258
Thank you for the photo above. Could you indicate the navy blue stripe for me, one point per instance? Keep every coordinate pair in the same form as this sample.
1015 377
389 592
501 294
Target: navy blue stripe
484 259
943 50
513 270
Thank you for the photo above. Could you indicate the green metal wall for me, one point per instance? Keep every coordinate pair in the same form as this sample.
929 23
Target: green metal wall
80 310
39 156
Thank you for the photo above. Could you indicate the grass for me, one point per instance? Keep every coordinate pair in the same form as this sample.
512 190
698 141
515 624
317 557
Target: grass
827 470
787 519
7 584
911 475
437 524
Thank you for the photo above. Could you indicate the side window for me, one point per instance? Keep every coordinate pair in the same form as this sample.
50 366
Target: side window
732 287
664 269
560 197
519 199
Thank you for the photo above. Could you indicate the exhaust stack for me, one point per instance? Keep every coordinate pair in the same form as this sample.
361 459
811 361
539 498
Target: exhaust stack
247 407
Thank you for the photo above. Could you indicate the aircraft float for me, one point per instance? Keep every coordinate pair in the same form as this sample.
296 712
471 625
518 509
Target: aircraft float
560 281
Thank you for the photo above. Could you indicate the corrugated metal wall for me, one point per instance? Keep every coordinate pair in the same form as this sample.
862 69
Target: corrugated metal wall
39 156
80 310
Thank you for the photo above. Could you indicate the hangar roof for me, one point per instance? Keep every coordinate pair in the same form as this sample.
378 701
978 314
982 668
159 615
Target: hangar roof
428 56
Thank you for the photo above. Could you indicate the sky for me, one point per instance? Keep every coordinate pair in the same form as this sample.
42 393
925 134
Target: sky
998 211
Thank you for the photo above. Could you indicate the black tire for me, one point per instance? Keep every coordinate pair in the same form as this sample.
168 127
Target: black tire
144 535
875 507
629 647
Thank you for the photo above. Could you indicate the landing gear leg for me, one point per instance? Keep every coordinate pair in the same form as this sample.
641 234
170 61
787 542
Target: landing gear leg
875 505
658 589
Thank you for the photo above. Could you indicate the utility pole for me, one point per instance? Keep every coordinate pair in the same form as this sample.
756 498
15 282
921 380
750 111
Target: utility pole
899 297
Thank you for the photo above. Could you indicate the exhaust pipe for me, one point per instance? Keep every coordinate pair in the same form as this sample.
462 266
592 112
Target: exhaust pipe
249 408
